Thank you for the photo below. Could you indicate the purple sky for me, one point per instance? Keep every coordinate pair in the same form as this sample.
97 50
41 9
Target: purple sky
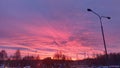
46 26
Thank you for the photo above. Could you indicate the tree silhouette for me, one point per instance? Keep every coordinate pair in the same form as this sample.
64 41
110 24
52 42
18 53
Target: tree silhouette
61 56
17 55
38 57
3 55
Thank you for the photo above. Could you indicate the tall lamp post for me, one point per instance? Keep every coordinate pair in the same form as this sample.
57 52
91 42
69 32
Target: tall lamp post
102 30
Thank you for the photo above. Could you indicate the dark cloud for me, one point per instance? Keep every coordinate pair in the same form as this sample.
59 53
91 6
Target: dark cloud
49 50
14 48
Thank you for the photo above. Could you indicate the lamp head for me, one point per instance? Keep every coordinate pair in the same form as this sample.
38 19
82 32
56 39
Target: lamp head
108 17
89 9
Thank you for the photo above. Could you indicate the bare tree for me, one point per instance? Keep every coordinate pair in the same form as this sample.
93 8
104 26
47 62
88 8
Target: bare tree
3 55
17 55
61 56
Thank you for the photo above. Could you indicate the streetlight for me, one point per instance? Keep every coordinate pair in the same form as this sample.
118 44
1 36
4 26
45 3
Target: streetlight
102 30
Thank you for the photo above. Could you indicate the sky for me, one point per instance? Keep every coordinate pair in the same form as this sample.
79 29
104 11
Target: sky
45 27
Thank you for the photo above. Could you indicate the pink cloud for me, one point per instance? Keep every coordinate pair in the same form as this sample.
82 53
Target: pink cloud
69 32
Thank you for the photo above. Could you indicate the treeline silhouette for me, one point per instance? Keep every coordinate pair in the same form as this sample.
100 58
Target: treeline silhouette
59 60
